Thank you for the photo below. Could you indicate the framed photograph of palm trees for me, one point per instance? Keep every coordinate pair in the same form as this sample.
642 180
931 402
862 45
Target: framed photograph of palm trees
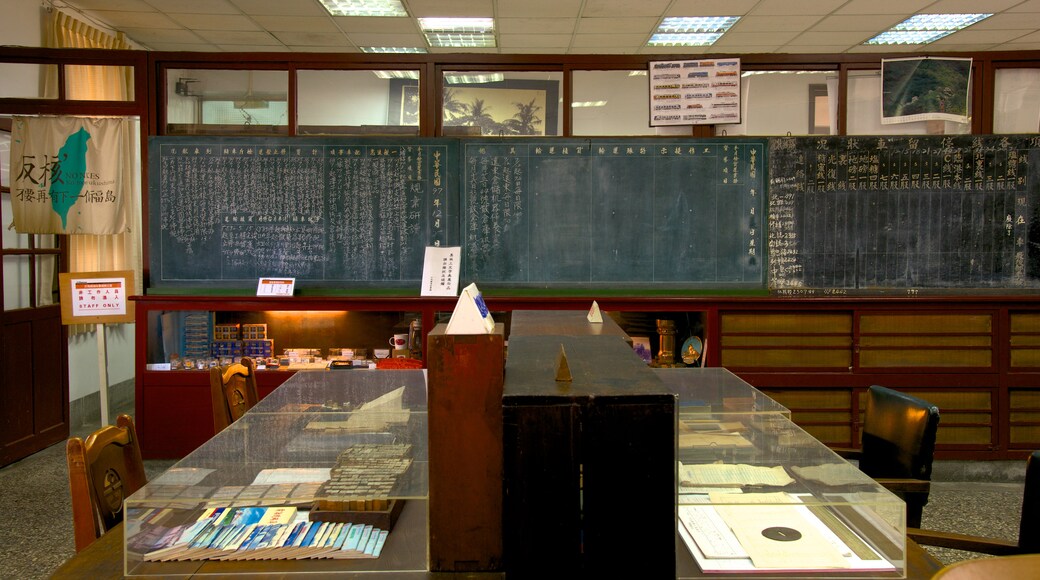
500 107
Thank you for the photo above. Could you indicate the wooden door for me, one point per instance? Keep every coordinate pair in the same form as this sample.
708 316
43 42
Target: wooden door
34 393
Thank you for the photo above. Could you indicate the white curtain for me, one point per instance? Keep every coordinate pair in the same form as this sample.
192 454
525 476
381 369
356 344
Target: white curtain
89 253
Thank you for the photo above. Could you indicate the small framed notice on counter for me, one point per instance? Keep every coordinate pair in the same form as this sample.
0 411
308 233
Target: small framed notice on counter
96 297
441 271
275 286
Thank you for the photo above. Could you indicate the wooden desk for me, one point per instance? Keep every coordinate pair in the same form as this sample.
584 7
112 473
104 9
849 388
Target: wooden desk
104 559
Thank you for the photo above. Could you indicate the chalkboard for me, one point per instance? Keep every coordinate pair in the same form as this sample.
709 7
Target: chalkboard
877 213
610 213
327 211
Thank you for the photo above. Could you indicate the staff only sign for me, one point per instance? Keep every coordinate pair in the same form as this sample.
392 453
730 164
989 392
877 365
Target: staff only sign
68 175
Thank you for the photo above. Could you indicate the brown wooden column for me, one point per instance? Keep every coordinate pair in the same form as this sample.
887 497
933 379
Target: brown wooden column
464 382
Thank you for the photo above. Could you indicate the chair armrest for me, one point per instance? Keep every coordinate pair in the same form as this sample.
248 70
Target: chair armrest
909 485
963 542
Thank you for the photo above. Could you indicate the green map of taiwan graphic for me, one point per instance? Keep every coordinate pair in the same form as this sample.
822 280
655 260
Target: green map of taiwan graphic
65 186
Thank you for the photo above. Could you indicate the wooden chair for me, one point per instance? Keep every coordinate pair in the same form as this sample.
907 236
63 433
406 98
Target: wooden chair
1028 527
898 446
1021 566
233 392
103 471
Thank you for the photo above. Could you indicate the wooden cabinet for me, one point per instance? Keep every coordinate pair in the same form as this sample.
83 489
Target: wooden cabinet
976 357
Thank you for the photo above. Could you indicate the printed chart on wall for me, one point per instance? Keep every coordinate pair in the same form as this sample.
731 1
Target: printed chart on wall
357 212
694 92
904 214
641 213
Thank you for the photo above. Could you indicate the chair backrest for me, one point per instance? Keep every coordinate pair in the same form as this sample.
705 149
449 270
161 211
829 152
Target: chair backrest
104 469
233 392
898 435
1029 528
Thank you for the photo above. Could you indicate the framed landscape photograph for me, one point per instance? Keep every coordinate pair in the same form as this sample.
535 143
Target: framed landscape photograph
925 89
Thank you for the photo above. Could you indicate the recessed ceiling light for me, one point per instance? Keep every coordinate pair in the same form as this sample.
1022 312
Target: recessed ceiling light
925 28
691 31
397 74
364 7
394 49
459 32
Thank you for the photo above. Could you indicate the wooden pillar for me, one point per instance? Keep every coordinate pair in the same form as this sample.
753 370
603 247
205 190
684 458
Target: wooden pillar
464 377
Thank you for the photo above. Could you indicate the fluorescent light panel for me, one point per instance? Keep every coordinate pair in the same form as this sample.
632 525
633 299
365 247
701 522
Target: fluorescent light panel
473 79
364 7
691 31
582 104
925 28
459 32
394 49
397 74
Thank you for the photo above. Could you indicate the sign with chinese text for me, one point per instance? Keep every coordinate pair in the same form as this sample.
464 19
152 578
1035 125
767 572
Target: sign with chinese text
68 175
441 271
96 297
275 286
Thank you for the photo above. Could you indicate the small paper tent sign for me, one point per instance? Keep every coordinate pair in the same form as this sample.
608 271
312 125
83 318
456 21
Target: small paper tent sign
595 316
471 315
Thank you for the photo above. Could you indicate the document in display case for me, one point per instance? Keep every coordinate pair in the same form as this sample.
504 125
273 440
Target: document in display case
757 495
329 471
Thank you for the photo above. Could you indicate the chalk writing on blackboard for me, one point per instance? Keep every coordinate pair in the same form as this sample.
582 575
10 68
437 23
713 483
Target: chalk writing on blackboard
594 213
320 210
904 212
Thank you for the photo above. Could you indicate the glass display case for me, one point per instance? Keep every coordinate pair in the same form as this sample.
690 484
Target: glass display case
758 495
329 472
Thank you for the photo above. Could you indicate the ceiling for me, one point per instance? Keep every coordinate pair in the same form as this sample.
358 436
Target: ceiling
556 26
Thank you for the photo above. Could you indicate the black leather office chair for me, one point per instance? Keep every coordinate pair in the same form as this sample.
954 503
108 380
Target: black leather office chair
1028 527
898 445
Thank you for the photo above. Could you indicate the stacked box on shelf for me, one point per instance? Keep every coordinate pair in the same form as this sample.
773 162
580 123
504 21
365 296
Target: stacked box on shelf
232 348
196 335
225 332
258 348
254 331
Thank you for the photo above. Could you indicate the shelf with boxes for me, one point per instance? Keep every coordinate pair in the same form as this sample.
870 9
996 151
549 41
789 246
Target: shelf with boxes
178 338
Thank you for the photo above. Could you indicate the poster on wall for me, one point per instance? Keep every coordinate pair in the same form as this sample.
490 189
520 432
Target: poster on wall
68 175
925 89
694 92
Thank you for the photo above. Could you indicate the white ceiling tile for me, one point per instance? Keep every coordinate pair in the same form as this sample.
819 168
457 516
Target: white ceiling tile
450 8
1028 6
316 24
1019 46
969 6
175 35
195 6
972 36
903 8
311 38
623 8
375 24
774 23
710 7
1031 37
847 38
874 24
178 47
1009 22
517 41
736 39
606 40
814 49
136 19
280 7
234 37
215 21
322 49
121 5
535 25
883 48
248 48
376 39
781 7
643 25
537 8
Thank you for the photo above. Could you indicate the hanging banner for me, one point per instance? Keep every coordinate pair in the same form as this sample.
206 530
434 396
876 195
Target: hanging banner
67 175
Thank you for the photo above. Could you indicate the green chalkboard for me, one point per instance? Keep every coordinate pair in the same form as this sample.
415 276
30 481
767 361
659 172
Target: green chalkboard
614 213
873 214
330 212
